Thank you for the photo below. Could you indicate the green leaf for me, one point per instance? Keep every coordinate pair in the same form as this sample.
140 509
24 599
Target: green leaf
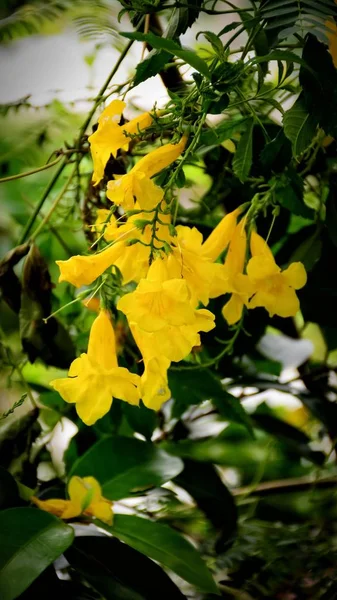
227 128
280 55
309 251
215 42
192 387
243 157
289 193
166 546
299 126
203 483
320 85
151 66
105 562
277 154
296 440
9 493
229 27
188 56
141 419
31 540
126 466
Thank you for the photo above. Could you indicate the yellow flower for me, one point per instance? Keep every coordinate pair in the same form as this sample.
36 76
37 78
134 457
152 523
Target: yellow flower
158 301
221 235
95 378
138 185
187 260
134 185
162 310
107 224
132 261
110 136
153 382
232 280
85 498
275 289
83 270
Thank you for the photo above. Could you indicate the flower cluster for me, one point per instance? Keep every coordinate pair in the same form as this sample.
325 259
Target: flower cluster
176 273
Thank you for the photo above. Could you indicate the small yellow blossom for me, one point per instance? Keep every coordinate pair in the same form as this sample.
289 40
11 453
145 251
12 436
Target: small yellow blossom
137 185
221 235
132 261
188 260
161 308
85 497
126 189
275 289
154 383
232 280
110 136
83 270
95 377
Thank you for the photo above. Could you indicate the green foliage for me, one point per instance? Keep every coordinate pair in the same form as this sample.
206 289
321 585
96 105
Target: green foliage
126 466
30 541
167 547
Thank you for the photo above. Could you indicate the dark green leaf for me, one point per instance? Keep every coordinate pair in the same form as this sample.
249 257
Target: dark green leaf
151 66
217 106
166 546
320 85
9 282
31 540
224 131
105 563
281 55
309 251
188 56
49 341
141 419
192 387
289 193
229 27
276 155
295 439
9 493
215 42
203 483
299 126
243 157
126 466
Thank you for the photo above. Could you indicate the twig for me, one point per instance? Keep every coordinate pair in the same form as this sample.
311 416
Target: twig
288 486
27 173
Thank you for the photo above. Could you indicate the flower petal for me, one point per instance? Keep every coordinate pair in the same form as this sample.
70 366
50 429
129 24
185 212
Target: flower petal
83 270
232 311
160 158
295 275
221 235
102 510
154 383
102 343
261 267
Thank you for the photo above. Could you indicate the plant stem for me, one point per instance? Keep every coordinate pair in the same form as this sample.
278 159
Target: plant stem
288 486
53 207
66 159
44 197
27 173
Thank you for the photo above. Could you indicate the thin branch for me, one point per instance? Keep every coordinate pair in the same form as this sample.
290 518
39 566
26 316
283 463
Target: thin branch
27 173
288 486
